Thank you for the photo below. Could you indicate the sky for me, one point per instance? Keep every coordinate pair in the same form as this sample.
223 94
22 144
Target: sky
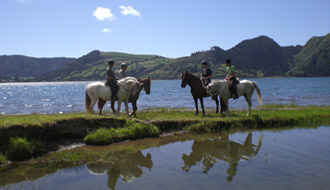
170 28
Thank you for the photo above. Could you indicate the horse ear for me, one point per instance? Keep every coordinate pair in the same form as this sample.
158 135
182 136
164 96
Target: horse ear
149 78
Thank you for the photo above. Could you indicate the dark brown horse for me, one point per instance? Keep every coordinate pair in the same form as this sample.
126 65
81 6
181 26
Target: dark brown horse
198 91
145 84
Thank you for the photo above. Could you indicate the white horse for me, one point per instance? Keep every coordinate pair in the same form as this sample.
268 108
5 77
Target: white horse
245 88
96 90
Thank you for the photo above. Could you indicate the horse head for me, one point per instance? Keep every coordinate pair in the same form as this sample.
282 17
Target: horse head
145 84
211 91
184 79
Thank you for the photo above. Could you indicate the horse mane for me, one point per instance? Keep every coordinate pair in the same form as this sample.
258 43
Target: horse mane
192 75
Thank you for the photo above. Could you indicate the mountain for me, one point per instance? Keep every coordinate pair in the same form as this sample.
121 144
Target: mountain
257 57
18 66
313 59
93 66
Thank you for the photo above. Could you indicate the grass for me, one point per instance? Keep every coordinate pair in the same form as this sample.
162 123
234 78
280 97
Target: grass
265 112
131 130
41 119
3 159
22 149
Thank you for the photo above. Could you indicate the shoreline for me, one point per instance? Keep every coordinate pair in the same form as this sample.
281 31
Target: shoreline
55 129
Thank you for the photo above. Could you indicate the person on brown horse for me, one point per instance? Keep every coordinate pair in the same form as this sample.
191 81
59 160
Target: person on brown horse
206 73
231 78
112 81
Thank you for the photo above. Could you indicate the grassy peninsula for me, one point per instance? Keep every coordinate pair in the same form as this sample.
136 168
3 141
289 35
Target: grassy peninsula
20 132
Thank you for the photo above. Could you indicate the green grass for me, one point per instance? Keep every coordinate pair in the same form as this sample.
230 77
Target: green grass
131 130
23 149
275 112
40 119
3 159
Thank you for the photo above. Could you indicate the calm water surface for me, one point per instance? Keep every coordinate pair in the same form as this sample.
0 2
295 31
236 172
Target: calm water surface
62 97
286 159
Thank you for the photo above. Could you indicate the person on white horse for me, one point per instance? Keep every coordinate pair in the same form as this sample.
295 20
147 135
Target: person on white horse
119 90
112 81
231 79
122 72
245 87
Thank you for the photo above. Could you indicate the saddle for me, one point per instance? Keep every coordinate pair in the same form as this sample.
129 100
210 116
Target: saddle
232 85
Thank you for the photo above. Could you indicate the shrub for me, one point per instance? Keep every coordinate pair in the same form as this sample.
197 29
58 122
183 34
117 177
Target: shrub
131 130
22 149
3 159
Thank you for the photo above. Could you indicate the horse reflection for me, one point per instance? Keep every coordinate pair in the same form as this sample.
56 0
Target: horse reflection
207 153
126 166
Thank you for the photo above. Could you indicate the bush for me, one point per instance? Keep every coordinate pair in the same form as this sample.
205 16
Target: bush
22 149
131 130
3 159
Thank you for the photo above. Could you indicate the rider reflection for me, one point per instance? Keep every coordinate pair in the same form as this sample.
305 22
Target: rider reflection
126 166
207 153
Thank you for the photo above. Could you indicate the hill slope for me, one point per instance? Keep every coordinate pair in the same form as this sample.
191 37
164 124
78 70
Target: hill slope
257 57
313 59
15 66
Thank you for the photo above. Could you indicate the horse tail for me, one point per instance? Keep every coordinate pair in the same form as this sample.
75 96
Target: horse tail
258 93
87 103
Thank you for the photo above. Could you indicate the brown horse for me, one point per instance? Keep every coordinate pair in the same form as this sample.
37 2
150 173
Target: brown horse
198 91
145 84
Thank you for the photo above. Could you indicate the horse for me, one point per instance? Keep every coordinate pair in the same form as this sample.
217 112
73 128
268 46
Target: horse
245 88
145 84
96 90
198 91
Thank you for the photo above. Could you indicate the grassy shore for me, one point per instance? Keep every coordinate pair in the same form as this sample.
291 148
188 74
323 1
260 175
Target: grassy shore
275 112
106 129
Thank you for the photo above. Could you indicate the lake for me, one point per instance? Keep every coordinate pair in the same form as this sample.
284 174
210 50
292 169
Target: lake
270 159
63 97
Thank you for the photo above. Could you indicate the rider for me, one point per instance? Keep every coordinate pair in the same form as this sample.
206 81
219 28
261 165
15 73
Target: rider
112 81
231 78
206 73
122 72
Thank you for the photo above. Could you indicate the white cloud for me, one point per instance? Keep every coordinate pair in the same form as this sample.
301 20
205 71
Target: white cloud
129 11
102 13
106 30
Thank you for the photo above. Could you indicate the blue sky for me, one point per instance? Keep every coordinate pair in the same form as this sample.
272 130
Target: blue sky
170 28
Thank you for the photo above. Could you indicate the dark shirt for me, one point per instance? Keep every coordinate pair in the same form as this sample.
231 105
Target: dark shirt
205 73
111 74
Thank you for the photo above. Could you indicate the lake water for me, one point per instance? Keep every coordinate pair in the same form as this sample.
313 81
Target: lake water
281 159
62 97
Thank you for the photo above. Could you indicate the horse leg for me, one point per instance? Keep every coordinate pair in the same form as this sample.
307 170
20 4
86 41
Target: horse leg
119 105
202 105
134 108
226 106
93 102
196 105
222 105
126 107
217 104
113 106
100 105
249 102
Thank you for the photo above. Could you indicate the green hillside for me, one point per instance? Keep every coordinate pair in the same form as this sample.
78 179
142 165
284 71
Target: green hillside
313 59
257 57
93 66
18 67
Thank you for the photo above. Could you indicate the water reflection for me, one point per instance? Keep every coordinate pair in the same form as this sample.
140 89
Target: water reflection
124 166
208 151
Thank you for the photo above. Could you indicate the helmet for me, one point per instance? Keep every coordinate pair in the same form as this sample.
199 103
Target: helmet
203 62
228 61
123 65
111 62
